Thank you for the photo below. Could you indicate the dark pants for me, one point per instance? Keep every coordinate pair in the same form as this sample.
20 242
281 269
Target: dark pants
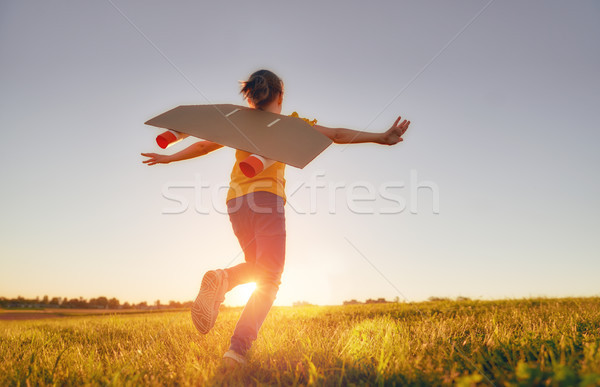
258 221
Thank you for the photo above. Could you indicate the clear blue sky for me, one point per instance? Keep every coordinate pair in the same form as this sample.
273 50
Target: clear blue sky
503 123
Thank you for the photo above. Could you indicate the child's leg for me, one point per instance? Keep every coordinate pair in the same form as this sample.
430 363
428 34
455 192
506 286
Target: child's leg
241 218
259 304
240 274
267 220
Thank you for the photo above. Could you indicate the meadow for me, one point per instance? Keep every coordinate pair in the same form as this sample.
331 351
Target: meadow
526 342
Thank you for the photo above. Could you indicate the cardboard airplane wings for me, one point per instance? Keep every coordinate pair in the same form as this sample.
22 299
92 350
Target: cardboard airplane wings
289 140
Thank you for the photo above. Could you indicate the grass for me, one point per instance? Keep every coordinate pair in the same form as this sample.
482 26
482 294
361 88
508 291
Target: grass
505 343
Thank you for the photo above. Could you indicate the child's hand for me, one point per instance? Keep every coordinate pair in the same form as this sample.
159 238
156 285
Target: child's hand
155 158
394 134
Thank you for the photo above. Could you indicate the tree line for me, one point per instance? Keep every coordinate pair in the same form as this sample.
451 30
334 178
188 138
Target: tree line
371 301
82 303
114 303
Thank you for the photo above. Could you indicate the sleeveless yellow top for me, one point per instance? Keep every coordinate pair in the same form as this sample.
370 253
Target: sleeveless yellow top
269 180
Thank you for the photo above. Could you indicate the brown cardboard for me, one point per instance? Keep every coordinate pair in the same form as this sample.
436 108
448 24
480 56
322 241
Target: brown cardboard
287 139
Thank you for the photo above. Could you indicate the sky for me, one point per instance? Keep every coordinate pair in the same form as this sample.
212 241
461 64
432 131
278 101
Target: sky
492 194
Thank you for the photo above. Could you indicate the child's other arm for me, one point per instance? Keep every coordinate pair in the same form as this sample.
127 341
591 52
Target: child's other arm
349 136
197 149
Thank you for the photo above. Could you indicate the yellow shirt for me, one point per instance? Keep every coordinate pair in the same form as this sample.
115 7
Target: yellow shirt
269 180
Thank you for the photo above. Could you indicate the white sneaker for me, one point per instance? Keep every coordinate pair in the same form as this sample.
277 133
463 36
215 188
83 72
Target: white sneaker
212 293
233 359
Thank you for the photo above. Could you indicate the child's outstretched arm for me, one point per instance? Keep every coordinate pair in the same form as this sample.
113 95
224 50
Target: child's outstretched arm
197 149
348 136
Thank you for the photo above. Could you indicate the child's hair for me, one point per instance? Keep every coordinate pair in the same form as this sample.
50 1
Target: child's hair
262 88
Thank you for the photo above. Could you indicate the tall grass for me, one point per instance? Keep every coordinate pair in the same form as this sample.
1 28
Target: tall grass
514 342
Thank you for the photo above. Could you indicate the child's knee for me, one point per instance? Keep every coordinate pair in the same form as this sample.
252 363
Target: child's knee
268 281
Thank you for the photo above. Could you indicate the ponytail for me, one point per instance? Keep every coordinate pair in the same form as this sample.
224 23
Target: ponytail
262 88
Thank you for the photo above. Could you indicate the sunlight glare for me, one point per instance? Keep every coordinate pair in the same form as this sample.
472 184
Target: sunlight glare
240 295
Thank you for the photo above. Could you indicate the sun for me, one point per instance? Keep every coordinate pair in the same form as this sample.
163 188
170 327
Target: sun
240 295
246 291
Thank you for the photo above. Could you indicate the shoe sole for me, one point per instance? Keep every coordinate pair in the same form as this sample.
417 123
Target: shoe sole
236 357
203 309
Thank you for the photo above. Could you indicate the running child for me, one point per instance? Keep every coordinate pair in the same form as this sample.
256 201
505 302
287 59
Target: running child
256 210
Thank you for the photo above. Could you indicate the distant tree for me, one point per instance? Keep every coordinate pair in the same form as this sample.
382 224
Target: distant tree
99 303
126 305
45 300
78 303
174 304
351 302
113 303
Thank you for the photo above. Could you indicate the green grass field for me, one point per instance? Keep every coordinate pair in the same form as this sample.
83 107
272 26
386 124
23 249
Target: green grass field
515 342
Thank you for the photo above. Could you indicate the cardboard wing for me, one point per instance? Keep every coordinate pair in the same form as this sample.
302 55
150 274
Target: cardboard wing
289 140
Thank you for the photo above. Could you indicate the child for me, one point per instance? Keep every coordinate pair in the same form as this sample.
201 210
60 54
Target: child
256 211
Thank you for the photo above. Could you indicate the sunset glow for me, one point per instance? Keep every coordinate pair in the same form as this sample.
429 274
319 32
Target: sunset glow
488 196
240 295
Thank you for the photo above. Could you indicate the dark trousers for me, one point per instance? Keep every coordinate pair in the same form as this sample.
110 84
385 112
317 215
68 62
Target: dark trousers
258 221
